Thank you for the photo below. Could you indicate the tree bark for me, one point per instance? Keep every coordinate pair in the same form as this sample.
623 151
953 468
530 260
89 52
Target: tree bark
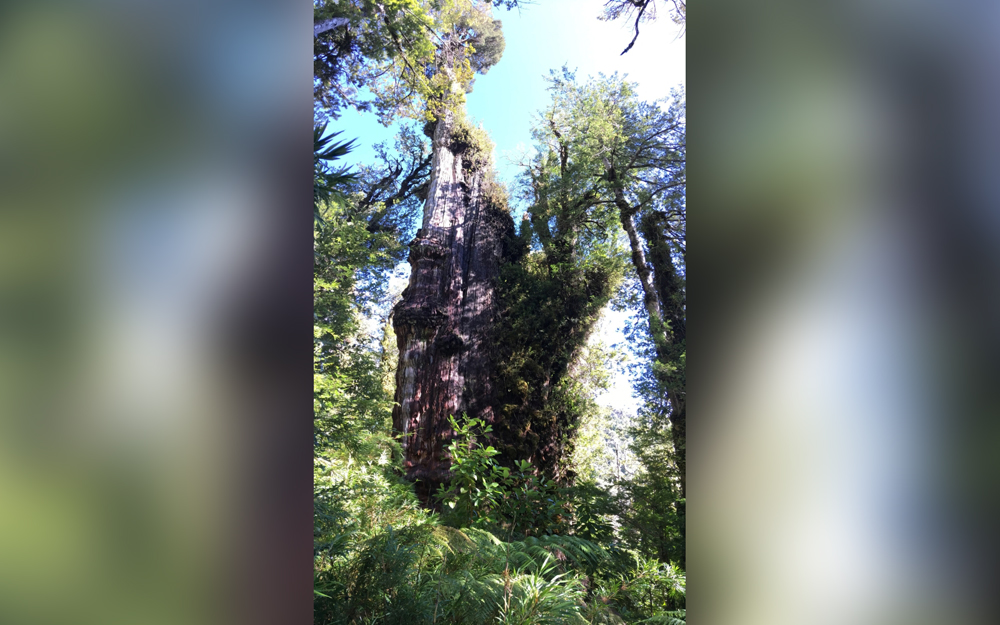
445 320
657 290
669 290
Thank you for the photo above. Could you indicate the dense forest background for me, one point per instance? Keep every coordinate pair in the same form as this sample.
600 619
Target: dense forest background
465 471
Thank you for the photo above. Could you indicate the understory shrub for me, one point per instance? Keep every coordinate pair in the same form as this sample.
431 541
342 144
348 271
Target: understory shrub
380 558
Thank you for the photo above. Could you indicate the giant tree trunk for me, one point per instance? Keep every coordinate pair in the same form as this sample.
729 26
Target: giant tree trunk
445 320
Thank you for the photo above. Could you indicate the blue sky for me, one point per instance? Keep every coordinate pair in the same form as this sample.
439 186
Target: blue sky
541 37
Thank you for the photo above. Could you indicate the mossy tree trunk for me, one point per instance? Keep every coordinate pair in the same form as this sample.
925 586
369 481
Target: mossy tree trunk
444 323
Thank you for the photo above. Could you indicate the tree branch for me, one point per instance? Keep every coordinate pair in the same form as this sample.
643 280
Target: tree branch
637 18
330 24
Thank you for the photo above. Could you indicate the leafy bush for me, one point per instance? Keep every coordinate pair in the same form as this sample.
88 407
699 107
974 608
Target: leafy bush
380 558
483 494
645 591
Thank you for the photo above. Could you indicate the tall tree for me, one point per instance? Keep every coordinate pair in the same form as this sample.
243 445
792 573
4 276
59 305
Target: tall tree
553 294
611 154
444 322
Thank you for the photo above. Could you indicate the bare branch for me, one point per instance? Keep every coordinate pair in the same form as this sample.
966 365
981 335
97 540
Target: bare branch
637 18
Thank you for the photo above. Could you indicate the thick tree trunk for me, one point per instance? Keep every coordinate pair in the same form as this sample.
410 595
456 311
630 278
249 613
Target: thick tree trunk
445 320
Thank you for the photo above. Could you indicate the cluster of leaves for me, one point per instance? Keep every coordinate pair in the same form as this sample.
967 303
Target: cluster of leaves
327 180
474 144
380 558
401 57
468 42
369 61
561 273
632 478
652 504
643 591
358 239
604 160
602 450
483 494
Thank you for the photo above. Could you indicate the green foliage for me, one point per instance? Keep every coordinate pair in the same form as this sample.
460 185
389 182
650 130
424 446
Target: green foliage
530 532
412 57
602 451
540 598
473 495
356 243
602 156
474 144
468 41
483 580
380 52
349 400
369 532
328 182
606 157
551 299
641 590
592 510
419 572
469 29
380 558
483 494
652 508
670 617
514 502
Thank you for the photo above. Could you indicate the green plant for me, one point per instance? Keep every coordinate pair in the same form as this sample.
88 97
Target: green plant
484 494
480 579
643 590
592 510
540 598
474 492
674 617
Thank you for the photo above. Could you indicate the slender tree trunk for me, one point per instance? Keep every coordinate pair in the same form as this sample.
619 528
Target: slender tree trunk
668 286
661 332
445 320
645 273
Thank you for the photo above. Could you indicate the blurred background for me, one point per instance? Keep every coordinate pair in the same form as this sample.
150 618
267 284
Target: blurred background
155 303
844 454
155 284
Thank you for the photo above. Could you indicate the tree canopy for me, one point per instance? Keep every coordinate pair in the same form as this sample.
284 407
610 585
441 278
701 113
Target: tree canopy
393 57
